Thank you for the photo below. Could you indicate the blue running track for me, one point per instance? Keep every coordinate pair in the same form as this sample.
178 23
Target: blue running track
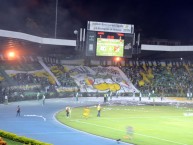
37 121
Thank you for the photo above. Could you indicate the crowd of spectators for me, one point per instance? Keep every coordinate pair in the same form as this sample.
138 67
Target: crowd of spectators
168 80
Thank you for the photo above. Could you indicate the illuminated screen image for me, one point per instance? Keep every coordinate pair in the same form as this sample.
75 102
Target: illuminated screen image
110 44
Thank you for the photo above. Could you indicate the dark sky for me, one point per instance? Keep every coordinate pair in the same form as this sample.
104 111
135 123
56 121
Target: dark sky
167 19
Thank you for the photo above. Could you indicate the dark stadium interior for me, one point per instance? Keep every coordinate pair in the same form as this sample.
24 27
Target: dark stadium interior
165 55
30 48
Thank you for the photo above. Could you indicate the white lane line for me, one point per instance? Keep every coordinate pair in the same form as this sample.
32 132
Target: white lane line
82 132
134 133
35 116
50 133
136 117
147 117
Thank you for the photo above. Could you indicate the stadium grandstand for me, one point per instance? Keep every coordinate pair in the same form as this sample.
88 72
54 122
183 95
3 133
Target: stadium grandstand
60 68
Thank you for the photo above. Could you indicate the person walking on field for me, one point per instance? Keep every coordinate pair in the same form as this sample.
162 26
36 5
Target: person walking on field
99 110
18 111
86 112
68 111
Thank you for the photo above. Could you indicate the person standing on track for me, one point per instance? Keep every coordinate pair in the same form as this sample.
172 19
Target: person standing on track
43 100
18 111
38 96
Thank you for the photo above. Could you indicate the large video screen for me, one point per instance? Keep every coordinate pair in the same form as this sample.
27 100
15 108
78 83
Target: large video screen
110 44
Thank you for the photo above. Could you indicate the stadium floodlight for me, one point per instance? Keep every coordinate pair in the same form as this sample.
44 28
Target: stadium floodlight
11 54
75 32
117 59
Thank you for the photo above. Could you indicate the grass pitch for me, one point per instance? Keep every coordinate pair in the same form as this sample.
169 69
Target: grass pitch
152 125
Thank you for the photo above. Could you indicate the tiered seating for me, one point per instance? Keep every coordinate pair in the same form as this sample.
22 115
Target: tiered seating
171 80
62 75
19 78
25 75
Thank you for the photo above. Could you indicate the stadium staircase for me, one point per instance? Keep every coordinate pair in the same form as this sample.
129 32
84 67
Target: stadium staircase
9 81
48 70
187 68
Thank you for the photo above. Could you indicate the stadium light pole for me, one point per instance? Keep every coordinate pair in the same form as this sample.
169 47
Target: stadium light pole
76 33
56 20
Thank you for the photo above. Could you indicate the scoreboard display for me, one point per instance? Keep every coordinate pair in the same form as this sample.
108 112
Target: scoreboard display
109 44
109 39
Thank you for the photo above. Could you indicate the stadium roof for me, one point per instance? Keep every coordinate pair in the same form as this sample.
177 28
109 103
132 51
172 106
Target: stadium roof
36 45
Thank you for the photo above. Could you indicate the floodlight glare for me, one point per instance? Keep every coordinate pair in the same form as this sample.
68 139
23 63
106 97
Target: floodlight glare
11 54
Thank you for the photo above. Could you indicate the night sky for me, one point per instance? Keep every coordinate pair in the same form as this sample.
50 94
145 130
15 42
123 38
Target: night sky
165 19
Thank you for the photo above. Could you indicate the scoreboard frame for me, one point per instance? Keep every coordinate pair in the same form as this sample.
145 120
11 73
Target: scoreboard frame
109 31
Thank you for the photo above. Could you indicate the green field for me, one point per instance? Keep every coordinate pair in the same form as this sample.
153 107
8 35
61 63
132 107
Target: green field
152 125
